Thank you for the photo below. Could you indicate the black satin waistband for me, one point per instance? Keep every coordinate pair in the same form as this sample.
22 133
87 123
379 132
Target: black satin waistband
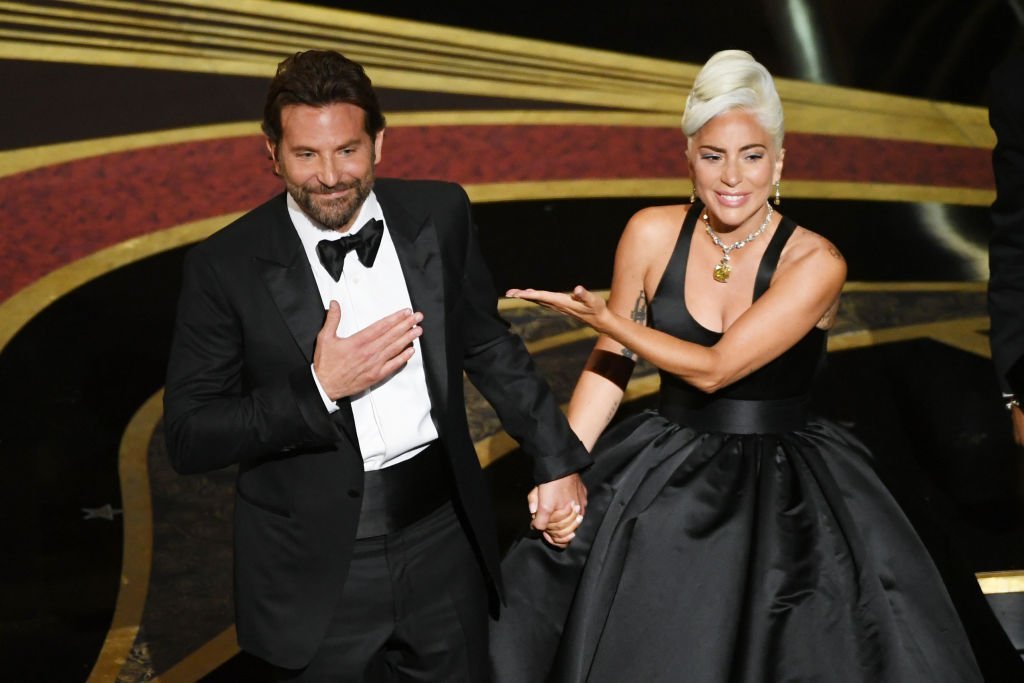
395 497
736 416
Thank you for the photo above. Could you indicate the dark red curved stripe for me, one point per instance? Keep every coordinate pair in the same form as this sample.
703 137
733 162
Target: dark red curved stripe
60 213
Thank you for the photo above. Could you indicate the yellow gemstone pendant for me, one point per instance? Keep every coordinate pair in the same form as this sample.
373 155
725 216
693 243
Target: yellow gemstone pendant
722 271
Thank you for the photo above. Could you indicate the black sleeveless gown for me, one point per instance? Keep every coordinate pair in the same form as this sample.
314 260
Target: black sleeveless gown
730 538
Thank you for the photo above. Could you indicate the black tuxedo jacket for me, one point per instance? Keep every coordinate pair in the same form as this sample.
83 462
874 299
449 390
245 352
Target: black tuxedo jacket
1006 249
240 391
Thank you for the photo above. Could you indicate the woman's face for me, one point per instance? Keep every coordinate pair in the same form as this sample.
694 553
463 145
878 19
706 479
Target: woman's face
734 167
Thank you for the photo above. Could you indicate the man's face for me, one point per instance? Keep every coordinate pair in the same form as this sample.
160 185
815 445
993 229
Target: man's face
326 160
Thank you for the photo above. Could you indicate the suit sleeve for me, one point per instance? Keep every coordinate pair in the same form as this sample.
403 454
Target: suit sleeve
500 367
217 411
1006 248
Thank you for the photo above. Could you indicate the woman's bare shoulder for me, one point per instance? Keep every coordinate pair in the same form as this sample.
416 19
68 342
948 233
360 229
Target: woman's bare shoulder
808 247
655 225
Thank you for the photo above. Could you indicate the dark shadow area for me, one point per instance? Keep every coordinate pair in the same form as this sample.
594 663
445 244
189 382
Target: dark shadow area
932 417
71 380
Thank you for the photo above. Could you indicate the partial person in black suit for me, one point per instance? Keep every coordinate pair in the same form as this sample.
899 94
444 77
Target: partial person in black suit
1006 249
365 543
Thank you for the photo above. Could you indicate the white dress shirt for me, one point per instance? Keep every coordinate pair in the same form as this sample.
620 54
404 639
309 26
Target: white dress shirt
393 417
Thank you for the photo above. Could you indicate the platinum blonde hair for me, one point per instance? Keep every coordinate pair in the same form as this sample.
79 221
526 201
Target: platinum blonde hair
733 79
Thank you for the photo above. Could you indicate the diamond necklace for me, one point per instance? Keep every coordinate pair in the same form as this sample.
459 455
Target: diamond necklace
723 268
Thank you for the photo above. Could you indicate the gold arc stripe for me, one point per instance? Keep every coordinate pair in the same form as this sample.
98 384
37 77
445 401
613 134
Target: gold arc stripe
47 52
976 286
950 332
423 40
256 44
558 340
370 56
24 305
678 188
137 556
211 61
888 192
29 158
137 46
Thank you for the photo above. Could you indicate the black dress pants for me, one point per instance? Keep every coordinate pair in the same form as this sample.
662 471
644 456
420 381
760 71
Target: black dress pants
414 608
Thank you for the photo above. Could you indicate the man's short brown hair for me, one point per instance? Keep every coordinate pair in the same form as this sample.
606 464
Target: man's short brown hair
318 78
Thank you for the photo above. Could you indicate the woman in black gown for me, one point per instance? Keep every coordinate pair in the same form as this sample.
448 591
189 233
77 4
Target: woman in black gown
729 536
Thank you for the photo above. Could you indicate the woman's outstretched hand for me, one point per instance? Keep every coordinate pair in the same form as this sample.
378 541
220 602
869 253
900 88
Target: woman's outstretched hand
585 306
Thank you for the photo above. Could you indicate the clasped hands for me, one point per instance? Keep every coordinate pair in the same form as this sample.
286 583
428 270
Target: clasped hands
557 508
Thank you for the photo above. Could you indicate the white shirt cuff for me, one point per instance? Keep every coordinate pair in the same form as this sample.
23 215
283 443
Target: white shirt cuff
332 407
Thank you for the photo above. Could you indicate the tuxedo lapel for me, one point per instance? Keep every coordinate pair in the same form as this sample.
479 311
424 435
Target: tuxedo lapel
416 241
289 279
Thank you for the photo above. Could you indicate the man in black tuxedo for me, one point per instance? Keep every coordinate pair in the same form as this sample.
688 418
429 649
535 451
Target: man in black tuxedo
365 544
1006 248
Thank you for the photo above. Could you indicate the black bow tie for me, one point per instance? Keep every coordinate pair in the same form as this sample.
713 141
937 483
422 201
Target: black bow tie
366 242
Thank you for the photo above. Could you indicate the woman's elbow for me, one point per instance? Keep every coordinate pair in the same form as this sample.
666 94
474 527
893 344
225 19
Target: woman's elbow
708 382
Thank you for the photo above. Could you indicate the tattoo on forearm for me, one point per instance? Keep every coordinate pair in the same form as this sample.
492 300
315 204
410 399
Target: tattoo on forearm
611 412
639 316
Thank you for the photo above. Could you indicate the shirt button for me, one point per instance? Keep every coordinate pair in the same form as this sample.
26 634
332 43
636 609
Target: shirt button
352 493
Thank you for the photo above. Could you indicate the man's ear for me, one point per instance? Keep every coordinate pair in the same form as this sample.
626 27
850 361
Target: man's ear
378 145
272 155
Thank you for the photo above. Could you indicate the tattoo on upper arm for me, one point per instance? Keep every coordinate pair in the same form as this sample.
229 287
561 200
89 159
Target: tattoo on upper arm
829 319
835 252
637 315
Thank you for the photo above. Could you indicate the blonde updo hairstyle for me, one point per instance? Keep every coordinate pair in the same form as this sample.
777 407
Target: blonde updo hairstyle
733 79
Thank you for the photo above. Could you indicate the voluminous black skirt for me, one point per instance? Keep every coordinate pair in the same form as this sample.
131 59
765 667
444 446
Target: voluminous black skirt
727 558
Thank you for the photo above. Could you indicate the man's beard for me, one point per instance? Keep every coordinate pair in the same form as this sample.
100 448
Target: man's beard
332 214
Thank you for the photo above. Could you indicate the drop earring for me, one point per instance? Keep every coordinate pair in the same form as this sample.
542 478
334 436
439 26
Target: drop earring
778 195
